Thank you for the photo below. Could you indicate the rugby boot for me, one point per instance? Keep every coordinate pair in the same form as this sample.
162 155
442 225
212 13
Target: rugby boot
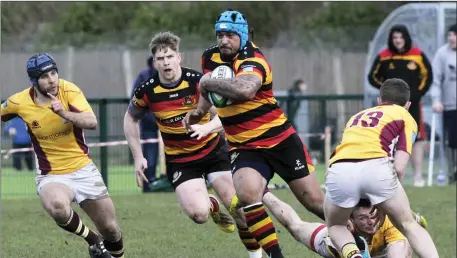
222 220
99 251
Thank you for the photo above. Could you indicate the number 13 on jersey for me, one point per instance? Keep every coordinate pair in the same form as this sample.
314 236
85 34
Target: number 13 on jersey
370 119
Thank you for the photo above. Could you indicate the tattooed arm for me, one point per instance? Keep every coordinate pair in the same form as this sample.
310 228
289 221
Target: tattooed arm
243 87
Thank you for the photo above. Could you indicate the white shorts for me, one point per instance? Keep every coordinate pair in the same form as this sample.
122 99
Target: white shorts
348 182
86 183
321 243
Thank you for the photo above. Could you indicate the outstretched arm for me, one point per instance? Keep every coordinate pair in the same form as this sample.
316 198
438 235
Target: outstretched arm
286 215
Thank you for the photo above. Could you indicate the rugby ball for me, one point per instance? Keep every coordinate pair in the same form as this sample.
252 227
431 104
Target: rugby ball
221 72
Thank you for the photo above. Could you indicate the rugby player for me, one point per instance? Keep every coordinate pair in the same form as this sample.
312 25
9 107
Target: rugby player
56 113
375 239
256 129
369 163
315 235
170 93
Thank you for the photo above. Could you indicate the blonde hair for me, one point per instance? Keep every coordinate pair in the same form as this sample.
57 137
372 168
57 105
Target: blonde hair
164 40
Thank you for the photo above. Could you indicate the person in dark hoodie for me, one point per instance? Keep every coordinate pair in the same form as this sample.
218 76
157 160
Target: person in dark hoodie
148 130
404 61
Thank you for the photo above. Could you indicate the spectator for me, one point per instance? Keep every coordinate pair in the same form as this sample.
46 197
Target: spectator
148 130
21 139
293 103
404 61
444 96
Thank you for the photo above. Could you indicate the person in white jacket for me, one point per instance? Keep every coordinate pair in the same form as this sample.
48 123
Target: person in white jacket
444 95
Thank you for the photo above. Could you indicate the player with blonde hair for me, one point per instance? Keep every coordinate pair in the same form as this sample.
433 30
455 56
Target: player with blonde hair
170 93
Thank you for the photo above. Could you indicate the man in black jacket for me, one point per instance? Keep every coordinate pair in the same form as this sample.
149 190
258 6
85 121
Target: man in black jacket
404 61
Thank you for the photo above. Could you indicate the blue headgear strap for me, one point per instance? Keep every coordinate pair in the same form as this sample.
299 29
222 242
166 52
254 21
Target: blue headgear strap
39 64
235 22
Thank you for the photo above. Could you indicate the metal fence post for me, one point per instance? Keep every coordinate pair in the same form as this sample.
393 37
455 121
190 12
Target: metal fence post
323 106
324 121
103 114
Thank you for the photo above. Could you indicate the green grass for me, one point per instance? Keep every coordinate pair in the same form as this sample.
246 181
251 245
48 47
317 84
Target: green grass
155 226
121 180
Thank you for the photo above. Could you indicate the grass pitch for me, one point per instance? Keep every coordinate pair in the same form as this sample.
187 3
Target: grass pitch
154 225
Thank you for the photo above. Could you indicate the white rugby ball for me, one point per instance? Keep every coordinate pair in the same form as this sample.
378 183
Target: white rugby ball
221 72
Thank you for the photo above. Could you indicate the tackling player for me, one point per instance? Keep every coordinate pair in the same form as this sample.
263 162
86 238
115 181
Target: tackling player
377 239
256 129
368 163
385 239
170 93
56 113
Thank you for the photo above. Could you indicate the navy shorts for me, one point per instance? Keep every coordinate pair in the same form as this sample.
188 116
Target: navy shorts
289 159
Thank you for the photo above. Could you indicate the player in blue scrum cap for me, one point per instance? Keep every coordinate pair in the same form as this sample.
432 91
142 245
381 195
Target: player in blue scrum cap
256 130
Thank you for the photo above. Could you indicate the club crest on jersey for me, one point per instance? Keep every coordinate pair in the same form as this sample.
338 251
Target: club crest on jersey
188 101
35 124
412 65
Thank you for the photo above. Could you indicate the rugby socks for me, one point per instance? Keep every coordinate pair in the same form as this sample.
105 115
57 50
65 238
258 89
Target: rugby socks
76 226
262 228
350 250
247 238
116 248
214 205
